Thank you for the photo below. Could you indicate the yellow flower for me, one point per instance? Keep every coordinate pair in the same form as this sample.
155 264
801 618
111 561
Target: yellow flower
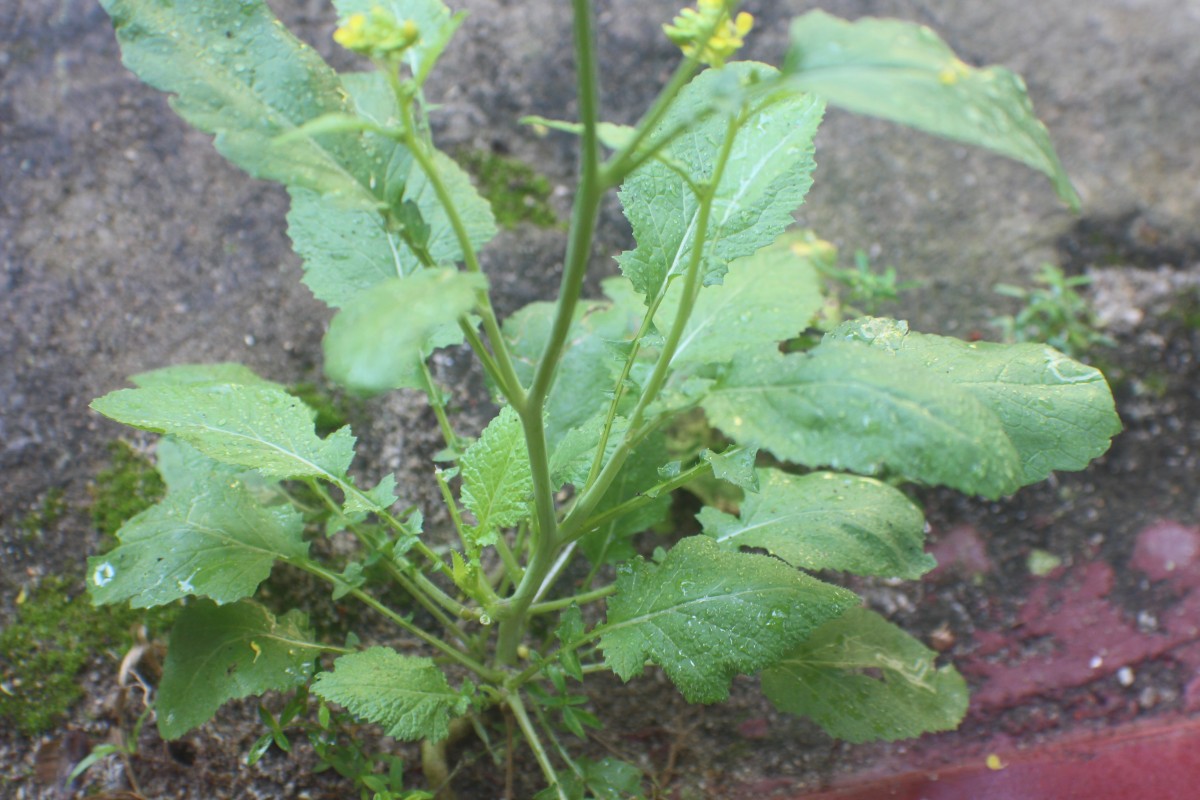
351 33
377 34
709 20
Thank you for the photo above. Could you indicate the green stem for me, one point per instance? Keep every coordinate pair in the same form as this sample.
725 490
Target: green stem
583 222
581 599
506 376
644 498
437 403
421 588
619 391
548 729
487 674
452 509
535 743
510 561
482 353
572 526
631 156
527 674
622 162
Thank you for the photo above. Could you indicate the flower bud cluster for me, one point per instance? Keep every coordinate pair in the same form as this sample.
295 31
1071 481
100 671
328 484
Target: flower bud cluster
377 34
710 31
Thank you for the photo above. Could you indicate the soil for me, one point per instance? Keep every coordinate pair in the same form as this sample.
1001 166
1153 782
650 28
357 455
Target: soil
126 244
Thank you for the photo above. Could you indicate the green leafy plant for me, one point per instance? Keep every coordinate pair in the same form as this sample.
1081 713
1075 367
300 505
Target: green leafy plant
865 289
575 464
1053 312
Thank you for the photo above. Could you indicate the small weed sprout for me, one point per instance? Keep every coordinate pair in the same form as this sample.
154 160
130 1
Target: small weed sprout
1054 312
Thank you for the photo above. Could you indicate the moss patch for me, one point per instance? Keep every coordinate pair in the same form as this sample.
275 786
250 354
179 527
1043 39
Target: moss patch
517 192
49 512
55 634
56 631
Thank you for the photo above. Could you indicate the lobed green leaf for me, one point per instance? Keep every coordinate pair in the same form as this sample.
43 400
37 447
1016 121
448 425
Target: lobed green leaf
238 73
254 426
704 615
209 537
349 250
767 174
766 297
849 406
380 498
831 679
904 72
377 342
1058 413
407 695
824 520
221 653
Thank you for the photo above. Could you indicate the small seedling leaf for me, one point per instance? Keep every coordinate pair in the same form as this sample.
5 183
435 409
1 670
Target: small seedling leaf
407 695
496 479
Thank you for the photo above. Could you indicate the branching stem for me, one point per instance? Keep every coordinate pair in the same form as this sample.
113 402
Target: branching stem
574 525
535 743
544 541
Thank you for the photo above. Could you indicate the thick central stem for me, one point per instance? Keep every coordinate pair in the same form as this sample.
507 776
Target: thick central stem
545 539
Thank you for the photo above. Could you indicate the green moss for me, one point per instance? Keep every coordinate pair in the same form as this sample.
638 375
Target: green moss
129 486
56 633
515 190
49 512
